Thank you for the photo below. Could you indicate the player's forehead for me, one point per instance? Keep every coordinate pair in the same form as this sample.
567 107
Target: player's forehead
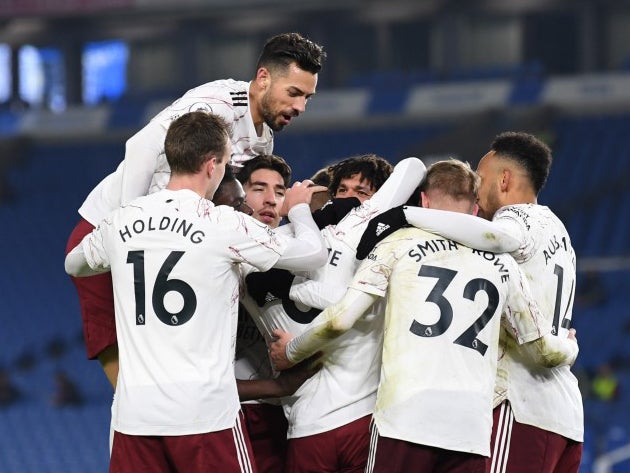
486 162
296 79
265 178
356 181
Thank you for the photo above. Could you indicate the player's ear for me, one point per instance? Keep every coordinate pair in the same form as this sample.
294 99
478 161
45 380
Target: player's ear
263 77
504 180
210 165
475 210
424 200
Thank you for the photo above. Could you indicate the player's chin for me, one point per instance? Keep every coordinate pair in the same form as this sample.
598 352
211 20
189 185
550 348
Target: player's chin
280 126
483 214
267 219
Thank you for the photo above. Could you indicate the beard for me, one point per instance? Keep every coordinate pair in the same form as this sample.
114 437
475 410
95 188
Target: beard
490 206
270 118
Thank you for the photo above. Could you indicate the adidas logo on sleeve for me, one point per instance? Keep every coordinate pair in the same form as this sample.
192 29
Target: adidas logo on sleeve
380 228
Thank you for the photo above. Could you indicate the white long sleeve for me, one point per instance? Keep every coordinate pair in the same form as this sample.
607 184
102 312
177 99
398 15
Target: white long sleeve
141 163
76 263
474 232
319 294
551 351
307 249
316 294
330 324
408 174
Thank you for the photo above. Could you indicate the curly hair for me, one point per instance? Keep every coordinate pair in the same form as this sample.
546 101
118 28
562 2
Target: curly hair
371 167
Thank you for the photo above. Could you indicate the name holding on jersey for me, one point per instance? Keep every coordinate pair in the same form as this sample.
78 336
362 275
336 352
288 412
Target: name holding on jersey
440 244
166 224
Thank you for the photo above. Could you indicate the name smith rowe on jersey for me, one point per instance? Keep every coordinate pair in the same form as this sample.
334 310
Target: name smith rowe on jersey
437 245
167 224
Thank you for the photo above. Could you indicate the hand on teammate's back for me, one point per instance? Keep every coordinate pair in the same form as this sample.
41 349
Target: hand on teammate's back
379 227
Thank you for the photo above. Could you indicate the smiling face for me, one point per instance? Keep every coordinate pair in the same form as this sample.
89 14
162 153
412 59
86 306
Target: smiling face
264 193
286 92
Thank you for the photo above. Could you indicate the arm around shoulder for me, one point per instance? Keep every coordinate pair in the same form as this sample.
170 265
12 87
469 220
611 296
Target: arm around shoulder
306 250
474 232
551 351
77 265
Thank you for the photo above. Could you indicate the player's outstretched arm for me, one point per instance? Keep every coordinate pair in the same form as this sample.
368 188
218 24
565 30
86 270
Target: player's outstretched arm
474 232
141 159
287 382
330 324
408 174
379 228
466 229
334 211
300 192
307 249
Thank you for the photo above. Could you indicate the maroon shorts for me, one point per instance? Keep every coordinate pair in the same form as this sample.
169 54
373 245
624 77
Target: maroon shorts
96 298
388 455
267 429
342 449
522 448
226 451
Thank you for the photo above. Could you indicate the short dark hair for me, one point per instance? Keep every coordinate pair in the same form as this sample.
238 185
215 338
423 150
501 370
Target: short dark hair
371 167
265 161
286 48
227 178
527 151
322 177
453 178
193 139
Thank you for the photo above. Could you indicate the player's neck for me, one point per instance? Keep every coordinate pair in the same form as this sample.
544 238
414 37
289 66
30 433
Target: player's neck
190 182
254 100
523 196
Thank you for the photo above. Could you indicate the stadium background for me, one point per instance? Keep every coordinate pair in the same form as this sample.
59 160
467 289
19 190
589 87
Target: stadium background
428 78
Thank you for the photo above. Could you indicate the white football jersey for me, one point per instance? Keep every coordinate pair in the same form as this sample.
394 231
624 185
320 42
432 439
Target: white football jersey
251 360
542 397
145 169
442 321
344 389
175 260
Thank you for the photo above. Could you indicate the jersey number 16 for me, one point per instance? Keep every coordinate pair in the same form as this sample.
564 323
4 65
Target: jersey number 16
161 287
